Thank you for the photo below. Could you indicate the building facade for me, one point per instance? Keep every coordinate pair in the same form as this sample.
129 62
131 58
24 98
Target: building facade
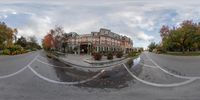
102 41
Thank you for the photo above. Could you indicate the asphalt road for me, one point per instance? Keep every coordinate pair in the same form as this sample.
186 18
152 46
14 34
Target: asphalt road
33 76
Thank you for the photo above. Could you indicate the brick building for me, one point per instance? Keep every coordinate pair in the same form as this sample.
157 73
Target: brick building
102 41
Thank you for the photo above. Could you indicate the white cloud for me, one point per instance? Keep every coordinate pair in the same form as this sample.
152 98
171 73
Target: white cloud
5 12
143 36
144 18
37 26
3 16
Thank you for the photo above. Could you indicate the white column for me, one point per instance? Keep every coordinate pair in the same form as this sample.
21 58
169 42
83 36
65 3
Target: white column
97 48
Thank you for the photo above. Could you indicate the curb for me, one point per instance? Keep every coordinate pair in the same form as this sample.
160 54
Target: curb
85 67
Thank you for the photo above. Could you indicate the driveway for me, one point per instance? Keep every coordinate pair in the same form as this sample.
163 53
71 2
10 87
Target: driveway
33 76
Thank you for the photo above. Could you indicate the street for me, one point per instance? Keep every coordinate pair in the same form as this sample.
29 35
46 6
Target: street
33 76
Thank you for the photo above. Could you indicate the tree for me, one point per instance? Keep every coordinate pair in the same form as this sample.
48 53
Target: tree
15 31
56 39
152 46
3 34
22 42
9 37
32 43
60 38
33 39
6 34
164 31
183 38
48 42
196 37
65 38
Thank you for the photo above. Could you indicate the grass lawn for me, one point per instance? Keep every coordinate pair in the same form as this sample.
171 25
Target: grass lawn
185 54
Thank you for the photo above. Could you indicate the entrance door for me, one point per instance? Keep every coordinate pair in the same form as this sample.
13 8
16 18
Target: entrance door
84 48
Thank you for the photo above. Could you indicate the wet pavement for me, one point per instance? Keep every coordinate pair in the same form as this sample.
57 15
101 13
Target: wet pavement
34 76
115 77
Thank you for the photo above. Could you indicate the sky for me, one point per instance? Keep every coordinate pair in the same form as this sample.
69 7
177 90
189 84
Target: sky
140 20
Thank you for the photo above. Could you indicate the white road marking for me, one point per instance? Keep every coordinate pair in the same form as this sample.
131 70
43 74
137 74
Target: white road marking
42 57
13 74
190 79
148 65
65 83
50 64
156 84
19 71
175 75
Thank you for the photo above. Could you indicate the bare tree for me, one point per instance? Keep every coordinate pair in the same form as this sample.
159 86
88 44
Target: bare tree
58 32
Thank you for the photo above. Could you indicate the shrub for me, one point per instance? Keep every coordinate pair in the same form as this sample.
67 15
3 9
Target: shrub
6 52
14 50
110 56
119 54
33 49
25 51
2 46
97 56
160 50
130 63
132 54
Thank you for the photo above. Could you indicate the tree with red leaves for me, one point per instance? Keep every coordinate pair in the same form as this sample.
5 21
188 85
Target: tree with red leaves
48 42
164 31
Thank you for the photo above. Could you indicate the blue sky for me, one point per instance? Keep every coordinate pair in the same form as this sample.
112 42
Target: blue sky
138 19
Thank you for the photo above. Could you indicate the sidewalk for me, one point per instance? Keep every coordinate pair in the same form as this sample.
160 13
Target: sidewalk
79 60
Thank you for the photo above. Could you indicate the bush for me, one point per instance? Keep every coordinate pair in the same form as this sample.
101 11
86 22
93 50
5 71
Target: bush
110 56
14 50
132 54
2 46
97 56
160 50
33 49
152 46
130 63
6 52
119 54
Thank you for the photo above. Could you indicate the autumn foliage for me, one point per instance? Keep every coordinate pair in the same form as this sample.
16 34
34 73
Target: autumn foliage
185 37
48 41
56 39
